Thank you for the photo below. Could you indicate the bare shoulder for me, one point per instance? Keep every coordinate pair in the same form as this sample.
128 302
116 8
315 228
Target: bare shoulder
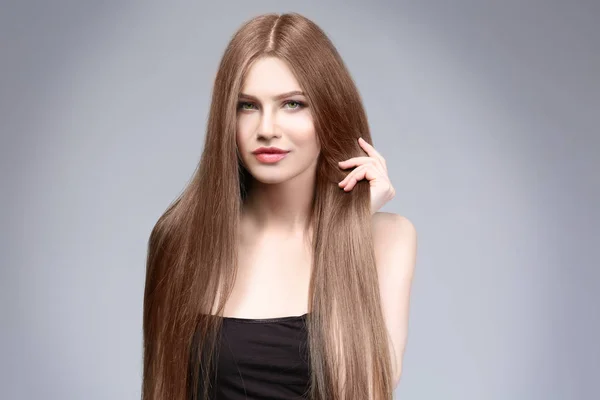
386 224
395 245
395 241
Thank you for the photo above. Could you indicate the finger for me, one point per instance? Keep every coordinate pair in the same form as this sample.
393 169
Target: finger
351 174
351 162
371 151
372 168
351 181
360 173
364 173
358 161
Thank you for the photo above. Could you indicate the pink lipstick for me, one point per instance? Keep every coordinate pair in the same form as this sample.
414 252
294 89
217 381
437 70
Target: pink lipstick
269 154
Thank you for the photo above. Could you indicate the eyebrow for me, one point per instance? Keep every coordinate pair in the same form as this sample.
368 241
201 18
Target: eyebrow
278 97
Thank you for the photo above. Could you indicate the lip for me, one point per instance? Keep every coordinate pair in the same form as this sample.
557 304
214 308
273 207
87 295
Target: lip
269 158
269 150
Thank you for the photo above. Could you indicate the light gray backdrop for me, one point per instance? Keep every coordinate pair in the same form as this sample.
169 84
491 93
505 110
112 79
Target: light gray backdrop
487 113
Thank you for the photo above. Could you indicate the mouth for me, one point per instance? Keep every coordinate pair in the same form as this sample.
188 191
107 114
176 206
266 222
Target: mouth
269 158
269 150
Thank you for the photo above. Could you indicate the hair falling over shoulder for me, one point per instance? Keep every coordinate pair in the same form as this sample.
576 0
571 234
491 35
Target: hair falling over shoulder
191 269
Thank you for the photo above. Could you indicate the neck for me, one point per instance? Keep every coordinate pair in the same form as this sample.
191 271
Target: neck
283 208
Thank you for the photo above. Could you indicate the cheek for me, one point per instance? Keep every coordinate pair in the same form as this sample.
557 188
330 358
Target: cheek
241 125
300 126
243 130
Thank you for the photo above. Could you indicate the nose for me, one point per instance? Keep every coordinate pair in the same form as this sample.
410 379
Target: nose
267 128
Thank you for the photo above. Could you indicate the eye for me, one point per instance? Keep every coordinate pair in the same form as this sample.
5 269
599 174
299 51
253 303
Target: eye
244 105
294 104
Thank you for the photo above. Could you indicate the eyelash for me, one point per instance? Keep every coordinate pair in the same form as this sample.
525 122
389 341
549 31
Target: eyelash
300 104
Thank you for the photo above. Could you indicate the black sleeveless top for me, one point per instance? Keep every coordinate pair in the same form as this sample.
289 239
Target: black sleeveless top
263 359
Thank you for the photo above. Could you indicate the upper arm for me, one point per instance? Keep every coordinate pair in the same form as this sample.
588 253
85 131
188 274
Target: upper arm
395 240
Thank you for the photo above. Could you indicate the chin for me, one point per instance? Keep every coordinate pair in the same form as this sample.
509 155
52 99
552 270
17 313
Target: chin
268 180
270 175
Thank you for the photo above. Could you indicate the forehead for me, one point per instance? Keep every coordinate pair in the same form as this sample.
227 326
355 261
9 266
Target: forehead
269 76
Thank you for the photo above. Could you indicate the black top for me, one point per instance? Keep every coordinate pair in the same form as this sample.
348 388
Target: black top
263 359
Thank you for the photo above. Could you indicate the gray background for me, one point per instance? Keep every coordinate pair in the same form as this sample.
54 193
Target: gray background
487 114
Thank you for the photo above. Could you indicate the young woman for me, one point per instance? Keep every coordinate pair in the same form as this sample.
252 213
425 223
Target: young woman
273 276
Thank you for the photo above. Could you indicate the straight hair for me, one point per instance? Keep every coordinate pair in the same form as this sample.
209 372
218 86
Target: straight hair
191 268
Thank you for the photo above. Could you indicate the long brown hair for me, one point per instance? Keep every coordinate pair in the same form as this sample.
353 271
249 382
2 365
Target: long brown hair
192 257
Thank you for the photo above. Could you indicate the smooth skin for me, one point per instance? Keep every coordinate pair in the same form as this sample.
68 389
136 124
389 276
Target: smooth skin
274 263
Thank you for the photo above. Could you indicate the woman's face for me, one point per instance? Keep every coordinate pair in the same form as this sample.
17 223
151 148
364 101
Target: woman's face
270 115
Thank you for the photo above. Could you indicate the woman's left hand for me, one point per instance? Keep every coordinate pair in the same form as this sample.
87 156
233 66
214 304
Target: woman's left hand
372 168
